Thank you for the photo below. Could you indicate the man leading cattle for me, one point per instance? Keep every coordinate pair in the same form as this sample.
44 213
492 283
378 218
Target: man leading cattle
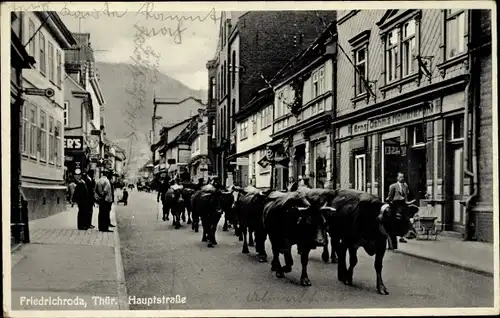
398 196
363 220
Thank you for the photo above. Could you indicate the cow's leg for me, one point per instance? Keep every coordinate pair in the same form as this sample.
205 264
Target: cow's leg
275 264
379 258
260 239
204 225
288 261
304 260
250 237
335 246
342 267
184 215
214 228
224 228
245 244
353 261
190 221
178 218
326 254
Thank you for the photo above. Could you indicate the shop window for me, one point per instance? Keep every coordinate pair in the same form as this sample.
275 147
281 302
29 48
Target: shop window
52 141
419 134
455 128
25 128
360 172
319 157
33 131
43 136
263 153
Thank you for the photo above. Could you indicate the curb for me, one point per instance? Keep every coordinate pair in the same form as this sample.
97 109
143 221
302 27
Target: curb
120 273
441 262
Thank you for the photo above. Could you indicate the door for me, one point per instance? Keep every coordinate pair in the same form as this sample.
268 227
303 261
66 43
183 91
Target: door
391 159
457 190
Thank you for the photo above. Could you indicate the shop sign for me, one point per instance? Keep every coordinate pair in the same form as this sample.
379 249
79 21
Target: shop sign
392 150
93 142
394 118
68 158
73 143
242 161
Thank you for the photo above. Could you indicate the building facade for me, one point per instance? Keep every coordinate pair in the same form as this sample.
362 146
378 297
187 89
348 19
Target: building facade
42 159
85 104
303 107
412 87
20 60
241 62
198 138
254 126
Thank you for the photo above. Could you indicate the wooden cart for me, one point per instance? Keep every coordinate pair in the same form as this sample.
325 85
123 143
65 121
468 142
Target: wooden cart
425 227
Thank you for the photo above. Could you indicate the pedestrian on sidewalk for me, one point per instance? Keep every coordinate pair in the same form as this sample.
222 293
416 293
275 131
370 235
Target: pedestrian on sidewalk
161 195
90 182
105 200
398 195
80 197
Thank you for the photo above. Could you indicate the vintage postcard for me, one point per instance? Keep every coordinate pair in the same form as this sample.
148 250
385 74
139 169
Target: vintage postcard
175 159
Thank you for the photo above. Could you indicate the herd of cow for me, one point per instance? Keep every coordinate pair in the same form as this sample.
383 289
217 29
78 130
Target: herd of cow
345 219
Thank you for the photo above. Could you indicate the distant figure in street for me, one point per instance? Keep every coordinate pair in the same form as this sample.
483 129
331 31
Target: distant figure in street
71 191
398 195
124 198
80 197
104 198
88 178
161 195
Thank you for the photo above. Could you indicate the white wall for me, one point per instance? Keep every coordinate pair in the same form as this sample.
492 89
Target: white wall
34 166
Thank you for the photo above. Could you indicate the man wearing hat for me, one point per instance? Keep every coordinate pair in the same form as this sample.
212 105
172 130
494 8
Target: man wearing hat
104 197
80 197
88 178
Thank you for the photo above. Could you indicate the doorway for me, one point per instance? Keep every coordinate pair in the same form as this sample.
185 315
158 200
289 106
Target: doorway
455 214
391 163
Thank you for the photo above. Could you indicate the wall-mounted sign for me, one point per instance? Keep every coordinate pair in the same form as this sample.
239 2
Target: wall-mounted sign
95 132
242 161
73 143
93 142
394 118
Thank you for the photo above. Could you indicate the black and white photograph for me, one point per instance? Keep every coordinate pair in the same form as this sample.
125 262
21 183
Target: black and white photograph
182 159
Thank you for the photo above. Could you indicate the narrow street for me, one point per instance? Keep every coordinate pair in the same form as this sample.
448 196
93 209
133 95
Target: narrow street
161 261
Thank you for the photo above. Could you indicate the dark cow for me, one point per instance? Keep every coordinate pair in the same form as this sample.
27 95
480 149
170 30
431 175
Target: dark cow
289 219
363 220
319 197
174 202
250 209
208 205
187 193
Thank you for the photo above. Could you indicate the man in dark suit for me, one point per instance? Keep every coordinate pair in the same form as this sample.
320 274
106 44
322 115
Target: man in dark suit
398 195
80 197
88 178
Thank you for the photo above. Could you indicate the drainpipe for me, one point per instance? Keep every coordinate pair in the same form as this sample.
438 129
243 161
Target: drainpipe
469 95
333 144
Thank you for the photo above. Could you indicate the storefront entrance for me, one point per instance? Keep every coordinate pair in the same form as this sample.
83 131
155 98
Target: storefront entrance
300 161
392 162
318 164
454 216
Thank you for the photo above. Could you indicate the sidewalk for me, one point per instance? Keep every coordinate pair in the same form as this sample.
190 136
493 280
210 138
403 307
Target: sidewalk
68 269
472 256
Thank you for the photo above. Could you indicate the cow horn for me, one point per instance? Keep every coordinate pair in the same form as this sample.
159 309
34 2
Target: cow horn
205 195
329 208
226 192
411 202
384 208
302 208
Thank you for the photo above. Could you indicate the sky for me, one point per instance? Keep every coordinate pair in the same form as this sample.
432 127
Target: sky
184 47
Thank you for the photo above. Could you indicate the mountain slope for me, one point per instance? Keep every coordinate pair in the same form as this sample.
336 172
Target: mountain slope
118 86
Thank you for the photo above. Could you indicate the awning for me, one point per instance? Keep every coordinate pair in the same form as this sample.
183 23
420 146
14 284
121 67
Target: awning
30 185
275 143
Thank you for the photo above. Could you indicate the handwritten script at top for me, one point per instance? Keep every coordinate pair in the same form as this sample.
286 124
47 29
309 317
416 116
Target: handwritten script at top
147 10
141 59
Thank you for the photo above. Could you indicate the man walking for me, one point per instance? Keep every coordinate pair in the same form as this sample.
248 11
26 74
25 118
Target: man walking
104 198
80 197
88 178
161 195
398 195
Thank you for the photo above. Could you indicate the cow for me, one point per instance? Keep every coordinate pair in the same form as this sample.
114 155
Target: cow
187 193
250 207
320 197
174 201
363 220
290 219
208 204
